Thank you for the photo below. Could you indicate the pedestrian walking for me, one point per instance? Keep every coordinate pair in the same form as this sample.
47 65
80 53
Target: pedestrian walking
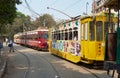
1 46
11 46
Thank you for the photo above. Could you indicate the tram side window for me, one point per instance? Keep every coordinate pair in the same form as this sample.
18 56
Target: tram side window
39 36
92 31
29 37
106 27
86 31
36 37
113 27
52 35
70 35
99 31
75 35
66 36
82 32
62 36
106 24
59 36
55 37
32 37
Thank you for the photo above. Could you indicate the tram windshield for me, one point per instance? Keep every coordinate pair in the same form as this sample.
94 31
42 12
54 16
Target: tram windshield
92 31
45 36
99 31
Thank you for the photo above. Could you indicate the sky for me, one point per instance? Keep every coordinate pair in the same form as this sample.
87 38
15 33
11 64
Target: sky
70 7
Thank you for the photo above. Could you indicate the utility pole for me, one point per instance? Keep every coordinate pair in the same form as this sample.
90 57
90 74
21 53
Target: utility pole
86 7
44 23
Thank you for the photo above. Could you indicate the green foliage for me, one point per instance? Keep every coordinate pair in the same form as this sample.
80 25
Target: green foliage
8 10
45 20
21 22
7 14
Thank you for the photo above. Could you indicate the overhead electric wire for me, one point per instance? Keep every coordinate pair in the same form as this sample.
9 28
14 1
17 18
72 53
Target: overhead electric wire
30 9
81 9
71 5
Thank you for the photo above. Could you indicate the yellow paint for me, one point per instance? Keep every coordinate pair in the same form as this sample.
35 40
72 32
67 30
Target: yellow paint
90 51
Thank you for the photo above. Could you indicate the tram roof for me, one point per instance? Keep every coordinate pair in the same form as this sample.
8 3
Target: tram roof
97 14
39 29
112 4
67 21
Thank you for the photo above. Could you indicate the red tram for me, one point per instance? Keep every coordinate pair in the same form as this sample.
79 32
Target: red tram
37 39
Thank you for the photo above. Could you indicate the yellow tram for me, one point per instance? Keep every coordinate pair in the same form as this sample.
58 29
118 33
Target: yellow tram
82 39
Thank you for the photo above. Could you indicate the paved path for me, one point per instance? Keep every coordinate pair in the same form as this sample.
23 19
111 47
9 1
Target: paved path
3 56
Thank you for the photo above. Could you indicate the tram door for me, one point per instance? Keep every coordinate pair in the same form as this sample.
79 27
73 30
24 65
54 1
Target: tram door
88 40
84 40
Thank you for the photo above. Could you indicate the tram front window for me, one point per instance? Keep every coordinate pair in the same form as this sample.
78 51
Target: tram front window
45 36
92 31
99 31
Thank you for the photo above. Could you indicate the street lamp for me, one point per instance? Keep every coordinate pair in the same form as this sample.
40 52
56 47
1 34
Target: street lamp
86 6
60 12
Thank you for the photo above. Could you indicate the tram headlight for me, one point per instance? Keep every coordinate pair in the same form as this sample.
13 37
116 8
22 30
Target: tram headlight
103 44
39 42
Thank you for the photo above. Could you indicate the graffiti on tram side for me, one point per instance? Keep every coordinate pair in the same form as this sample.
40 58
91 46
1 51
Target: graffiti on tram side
72 47
60 45
53 43
75 48
66 46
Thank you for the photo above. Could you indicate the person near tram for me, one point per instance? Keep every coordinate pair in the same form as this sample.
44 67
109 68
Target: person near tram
11 46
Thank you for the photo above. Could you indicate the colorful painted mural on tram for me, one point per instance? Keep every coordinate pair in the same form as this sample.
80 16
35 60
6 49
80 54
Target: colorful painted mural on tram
81 39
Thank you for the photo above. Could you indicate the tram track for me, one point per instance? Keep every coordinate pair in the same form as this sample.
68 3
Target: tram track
29 64
57 73
58 76
28 61
52 66
90 71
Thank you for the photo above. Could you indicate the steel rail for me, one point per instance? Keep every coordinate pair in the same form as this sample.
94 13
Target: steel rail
29 63
27 71
90 71
57 73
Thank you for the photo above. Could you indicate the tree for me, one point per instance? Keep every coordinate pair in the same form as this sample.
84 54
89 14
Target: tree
7 13
21 23
8 10
45 20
